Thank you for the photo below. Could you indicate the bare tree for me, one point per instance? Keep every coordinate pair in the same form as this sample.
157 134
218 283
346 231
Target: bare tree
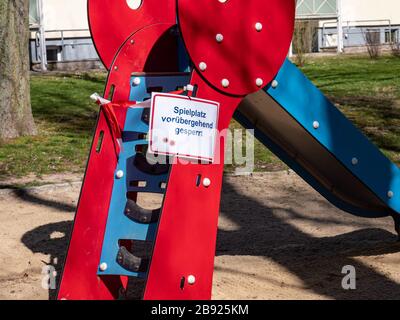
396 49
15 108
373 42
304 38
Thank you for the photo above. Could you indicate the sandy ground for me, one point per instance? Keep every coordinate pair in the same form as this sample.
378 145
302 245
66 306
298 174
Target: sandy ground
278 239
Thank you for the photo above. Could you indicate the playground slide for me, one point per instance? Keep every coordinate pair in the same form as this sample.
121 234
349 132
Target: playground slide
304 129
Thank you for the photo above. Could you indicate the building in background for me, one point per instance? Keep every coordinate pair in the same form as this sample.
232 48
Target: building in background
363 23
59 28
60 31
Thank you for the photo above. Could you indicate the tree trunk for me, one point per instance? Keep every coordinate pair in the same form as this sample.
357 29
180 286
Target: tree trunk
15 107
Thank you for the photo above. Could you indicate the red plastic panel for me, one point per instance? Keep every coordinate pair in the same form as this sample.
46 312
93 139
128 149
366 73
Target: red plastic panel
186 237
113 21
132 57
254 39
79 279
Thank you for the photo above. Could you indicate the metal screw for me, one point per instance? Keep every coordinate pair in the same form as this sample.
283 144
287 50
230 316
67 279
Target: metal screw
132 41
274 84
219 37
206 182
259 26
134 4
259 82
225 83
103 266
120 174
136 81
191 279
115 68
390 194
203 66
316 124
354 161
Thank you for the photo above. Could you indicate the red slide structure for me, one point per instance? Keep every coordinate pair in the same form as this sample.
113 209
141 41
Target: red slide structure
229 51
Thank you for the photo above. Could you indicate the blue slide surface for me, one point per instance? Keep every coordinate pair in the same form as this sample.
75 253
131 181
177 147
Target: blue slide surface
302 127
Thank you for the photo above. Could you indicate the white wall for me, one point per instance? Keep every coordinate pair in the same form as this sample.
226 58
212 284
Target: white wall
371 10
72 14
65 14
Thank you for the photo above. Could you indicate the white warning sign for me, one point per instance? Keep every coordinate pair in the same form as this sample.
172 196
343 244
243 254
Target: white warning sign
183 126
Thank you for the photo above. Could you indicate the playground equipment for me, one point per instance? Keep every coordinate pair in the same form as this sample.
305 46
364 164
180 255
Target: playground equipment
232 52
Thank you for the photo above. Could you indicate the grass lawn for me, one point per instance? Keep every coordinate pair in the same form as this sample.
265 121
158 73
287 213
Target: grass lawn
367 91
65 118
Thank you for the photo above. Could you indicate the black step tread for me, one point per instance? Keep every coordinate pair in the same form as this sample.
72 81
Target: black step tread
136 213
131 262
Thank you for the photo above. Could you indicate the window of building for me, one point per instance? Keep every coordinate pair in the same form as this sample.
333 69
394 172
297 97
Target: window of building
33 12
391 35
316 8
53 53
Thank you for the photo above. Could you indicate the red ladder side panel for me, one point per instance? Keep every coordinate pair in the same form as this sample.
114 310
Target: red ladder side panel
185 243
79 279
187 232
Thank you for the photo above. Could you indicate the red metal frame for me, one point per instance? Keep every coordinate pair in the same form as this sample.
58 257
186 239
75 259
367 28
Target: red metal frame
79 279
133 57
112 22
245 53
186 238
185 242
135 41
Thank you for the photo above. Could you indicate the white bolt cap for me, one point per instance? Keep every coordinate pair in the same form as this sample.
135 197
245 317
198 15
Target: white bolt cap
316 124
136 81
390 194
275 84
191 279
202 66
206 182
134 4
354 161
116 68
219 37
259 82
258 26
103 266
225 83
120 174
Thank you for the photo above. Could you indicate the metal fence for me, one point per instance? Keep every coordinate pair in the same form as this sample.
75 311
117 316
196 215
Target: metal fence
65 45
358 34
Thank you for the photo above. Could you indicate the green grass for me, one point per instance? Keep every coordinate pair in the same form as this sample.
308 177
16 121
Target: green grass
65 118
367 91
